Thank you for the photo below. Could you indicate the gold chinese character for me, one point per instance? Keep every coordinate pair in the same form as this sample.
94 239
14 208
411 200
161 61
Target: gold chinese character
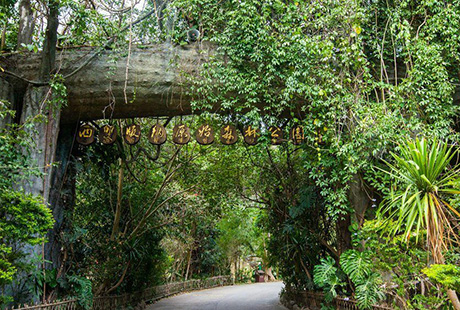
85 133
250 132
205 134
109 130
299 133
132 134
157 134
205 131
276 134
181 134
107 138
228 134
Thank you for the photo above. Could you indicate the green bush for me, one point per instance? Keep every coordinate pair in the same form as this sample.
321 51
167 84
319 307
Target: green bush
24 220
447 275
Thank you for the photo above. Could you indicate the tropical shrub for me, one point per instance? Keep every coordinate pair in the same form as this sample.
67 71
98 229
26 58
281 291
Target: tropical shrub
358 267
399 264
424 183
327 276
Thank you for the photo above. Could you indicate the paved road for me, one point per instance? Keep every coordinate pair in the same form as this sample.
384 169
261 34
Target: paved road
257 296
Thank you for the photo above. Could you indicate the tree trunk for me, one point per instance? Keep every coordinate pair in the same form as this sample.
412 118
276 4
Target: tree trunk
116 221
343 233
48 60
359 198
3 37
62 197
235 268
26 23
269 275
45 131
454 299
36 103
189 261
232 271
268 270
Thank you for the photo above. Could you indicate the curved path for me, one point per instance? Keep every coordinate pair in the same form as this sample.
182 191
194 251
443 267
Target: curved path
257 296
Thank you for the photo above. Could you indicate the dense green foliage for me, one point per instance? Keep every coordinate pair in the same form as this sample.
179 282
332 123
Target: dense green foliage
400 262
360 76
174 222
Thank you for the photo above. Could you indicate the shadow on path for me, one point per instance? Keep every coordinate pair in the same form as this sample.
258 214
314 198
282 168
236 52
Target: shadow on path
257 296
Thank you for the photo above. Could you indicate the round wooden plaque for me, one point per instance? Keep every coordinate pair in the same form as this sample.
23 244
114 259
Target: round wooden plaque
85 134
276 135
251 135
132 134
297 135
157 134
205 135
108 134
181 134
228 135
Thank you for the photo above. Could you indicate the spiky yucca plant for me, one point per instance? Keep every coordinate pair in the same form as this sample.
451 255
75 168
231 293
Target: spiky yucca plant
425 182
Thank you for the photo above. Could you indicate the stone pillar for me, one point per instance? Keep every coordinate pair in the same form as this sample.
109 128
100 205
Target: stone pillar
44 133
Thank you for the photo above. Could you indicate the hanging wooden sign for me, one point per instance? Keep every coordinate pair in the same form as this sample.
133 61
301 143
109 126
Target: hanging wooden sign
157 134
181 134
108 134
297 135
251 135
132 134
85 134
228 135
205 135
276 135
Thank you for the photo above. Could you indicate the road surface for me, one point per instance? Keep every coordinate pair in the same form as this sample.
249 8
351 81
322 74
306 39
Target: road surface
257 296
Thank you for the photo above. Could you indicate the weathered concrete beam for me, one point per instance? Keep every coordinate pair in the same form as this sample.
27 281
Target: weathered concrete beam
155 85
